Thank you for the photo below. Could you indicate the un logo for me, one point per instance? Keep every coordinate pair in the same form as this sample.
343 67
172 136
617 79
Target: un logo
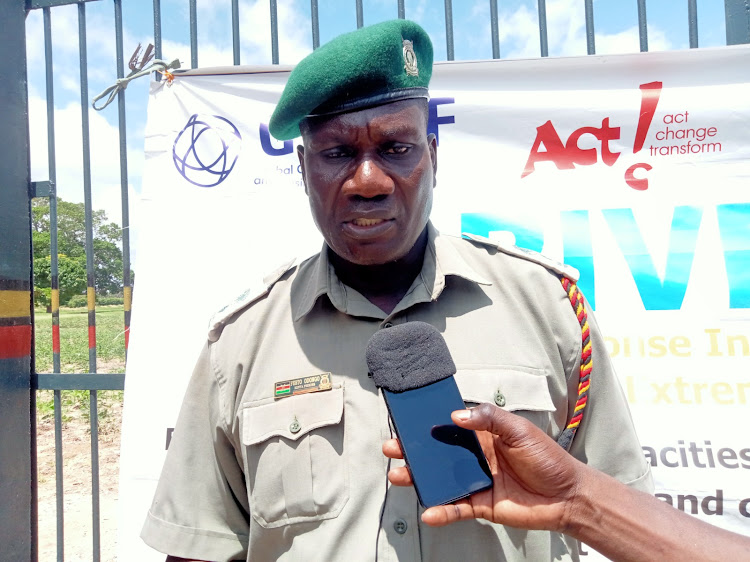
206 150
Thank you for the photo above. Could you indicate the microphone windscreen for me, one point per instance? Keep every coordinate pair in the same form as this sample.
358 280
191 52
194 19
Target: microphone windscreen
408 356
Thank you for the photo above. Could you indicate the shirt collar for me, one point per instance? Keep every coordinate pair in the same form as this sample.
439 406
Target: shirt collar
441 259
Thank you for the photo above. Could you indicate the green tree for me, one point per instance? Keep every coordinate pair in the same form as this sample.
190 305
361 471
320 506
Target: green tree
71 247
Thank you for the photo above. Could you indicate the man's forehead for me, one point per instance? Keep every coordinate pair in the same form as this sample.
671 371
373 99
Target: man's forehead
387 120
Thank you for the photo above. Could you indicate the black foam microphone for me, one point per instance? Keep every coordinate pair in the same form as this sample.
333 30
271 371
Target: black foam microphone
412 365
408 356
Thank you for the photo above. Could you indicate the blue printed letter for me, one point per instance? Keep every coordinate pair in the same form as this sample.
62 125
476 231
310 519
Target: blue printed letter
432 124
268 148
527 235
576 234
734 229
658 294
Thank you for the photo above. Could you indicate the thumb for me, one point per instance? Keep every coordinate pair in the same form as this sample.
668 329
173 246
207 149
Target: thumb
488 417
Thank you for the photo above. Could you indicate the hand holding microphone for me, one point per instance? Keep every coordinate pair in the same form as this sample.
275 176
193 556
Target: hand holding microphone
534 479
538 485
413 367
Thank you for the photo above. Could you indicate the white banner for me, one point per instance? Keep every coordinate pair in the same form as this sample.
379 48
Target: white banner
632 168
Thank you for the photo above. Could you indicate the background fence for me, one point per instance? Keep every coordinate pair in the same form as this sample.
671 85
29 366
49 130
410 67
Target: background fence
19 380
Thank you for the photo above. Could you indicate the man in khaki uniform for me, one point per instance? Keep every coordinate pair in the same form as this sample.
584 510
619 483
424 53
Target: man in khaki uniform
277 449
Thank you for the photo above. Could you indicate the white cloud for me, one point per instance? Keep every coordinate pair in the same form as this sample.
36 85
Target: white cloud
566 27
417 12
566 33
215 36
295 39
628 41
104 151
519 33
64 33
35 39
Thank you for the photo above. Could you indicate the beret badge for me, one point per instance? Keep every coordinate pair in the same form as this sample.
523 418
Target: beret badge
410 59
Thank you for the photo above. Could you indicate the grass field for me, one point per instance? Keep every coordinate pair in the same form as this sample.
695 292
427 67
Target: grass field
74 356
74 340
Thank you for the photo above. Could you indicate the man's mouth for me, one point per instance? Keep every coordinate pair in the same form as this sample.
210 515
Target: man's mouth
368 228
367 222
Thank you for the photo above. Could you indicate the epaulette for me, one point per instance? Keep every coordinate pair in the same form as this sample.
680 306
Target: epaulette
560 268
248 297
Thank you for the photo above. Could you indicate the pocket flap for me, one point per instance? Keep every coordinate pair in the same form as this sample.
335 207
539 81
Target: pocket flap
268 418
523 388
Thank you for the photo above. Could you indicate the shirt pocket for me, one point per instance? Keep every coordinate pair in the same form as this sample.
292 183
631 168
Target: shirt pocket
522 390
296 469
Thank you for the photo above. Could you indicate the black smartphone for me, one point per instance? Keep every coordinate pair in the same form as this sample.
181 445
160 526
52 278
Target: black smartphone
446 462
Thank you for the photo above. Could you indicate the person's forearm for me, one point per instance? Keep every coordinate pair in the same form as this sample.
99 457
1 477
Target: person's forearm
625 524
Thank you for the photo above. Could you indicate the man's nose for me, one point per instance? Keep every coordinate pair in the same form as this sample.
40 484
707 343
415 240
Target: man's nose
369 180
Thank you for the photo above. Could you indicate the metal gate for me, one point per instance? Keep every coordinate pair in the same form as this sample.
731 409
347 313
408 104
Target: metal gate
19 380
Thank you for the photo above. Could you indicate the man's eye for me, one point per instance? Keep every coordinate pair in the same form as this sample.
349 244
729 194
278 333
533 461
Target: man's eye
399 149
338 152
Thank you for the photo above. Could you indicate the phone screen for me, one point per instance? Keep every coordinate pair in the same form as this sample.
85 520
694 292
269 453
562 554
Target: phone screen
445 461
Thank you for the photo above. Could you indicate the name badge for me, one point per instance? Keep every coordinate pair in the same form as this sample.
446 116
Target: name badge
306 385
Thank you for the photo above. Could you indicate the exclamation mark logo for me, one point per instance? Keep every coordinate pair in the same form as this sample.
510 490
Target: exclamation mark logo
649 100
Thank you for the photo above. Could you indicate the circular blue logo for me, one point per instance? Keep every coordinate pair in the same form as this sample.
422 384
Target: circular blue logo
206 150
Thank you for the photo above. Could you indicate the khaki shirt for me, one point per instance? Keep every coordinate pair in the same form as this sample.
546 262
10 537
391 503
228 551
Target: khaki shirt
304 478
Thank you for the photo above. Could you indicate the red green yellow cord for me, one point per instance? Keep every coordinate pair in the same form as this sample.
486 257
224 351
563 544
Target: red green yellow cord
576 300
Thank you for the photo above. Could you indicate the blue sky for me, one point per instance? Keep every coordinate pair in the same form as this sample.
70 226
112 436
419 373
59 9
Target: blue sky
615 21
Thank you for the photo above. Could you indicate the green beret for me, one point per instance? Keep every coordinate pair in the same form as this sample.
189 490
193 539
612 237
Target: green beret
378 64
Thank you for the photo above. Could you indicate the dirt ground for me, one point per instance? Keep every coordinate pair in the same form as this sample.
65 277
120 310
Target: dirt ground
78 537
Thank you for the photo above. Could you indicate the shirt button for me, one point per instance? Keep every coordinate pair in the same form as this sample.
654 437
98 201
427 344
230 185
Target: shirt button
400 526
387 325
499 398
294 427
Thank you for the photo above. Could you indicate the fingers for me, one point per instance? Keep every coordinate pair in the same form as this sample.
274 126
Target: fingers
392 449
399 476
446 514
489 417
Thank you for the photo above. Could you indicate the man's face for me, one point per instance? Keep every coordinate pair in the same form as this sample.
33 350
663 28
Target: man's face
369 176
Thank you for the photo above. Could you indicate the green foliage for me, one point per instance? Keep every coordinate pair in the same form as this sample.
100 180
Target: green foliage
69 400
77 301
71 275
45 405
71 247
43 297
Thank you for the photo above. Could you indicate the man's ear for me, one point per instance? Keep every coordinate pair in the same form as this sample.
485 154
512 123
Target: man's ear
432 144
301 156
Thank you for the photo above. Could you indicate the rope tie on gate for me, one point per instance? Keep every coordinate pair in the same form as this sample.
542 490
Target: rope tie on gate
138 69
576 300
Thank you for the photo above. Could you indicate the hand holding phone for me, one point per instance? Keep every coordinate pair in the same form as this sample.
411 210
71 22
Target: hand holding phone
413 367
